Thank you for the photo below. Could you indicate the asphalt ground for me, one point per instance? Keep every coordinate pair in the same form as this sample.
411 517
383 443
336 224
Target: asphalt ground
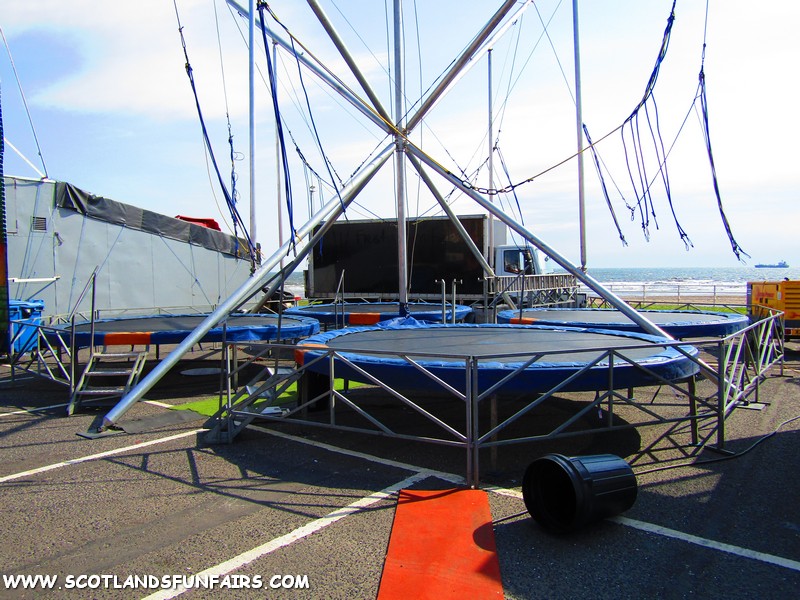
309 505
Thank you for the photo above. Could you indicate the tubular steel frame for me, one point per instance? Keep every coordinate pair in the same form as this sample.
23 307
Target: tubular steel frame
743 360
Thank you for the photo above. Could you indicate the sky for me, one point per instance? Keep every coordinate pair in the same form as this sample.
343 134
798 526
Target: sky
113 111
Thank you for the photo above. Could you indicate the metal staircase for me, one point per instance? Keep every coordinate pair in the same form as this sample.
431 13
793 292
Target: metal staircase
231 419
108 375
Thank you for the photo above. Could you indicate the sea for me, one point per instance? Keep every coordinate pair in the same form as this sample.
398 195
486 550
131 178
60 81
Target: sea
661 281
687 281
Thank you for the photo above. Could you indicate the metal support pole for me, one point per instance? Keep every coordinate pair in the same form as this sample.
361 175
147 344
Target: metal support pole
579 124
351 63
331 210
692 388
470 379
453 316
722 400
444 301
251 36
400 175
490 249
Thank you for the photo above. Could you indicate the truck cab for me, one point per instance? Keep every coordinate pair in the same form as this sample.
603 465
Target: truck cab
513 260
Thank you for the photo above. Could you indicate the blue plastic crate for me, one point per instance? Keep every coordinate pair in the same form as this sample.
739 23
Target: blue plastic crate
27 314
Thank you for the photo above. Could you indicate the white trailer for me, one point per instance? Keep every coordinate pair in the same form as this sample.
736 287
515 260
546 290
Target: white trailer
147 263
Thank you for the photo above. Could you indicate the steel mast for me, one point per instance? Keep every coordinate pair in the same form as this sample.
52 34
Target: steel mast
399 162
579 119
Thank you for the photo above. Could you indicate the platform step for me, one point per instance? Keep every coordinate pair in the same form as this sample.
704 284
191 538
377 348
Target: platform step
108 364
110 372
130 355
101 391
229 423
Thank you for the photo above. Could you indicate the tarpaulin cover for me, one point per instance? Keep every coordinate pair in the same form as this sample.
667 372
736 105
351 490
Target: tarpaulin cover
70 197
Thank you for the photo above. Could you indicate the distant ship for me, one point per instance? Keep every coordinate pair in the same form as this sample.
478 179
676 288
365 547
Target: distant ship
781 265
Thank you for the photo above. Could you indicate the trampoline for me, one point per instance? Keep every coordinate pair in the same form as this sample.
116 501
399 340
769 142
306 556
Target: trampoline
172 329
370 313
559 354
679 324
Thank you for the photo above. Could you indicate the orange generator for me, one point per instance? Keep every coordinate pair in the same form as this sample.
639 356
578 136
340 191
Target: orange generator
778 295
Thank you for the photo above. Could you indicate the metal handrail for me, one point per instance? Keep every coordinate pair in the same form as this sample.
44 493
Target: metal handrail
336 303
744 360
73 363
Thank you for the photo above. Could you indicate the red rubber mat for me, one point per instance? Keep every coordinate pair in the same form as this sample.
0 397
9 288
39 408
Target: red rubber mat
442 546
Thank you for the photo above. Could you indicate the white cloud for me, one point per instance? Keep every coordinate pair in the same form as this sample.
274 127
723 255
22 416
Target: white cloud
131 72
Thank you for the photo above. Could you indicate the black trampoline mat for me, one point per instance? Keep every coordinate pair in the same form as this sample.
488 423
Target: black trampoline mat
492 341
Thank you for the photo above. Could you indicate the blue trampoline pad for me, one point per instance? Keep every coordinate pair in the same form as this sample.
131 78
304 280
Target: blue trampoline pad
679 324
558 353
172 329
369 313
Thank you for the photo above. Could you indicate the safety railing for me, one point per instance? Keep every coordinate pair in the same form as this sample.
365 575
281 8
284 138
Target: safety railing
730 371
51 358
681 292
53 344
537 290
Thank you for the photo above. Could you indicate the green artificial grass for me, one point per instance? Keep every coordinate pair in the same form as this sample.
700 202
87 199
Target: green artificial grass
210 406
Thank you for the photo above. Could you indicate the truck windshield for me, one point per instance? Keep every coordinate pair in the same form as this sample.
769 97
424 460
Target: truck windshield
518 260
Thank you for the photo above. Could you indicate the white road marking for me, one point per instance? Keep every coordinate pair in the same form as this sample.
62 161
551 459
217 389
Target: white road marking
684 537
301 532
714 545
99 455
28 411
419 473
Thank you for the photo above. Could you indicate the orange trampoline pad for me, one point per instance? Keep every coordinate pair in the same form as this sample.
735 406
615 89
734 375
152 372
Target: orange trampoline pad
442 546
369 318
522 321
127 338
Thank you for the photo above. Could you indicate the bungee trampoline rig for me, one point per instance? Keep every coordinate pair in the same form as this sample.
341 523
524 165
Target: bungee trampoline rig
154 330
679 324
471 388
369 313
523 367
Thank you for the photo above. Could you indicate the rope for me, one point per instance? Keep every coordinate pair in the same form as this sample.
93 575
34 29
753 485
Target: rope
596 161
24 102
508 177
234 156
737 250
229 199
273 86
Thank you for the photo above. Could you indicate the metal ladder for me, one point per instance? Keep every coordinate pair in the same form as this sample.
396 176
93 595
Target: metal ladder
231 419
108 375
